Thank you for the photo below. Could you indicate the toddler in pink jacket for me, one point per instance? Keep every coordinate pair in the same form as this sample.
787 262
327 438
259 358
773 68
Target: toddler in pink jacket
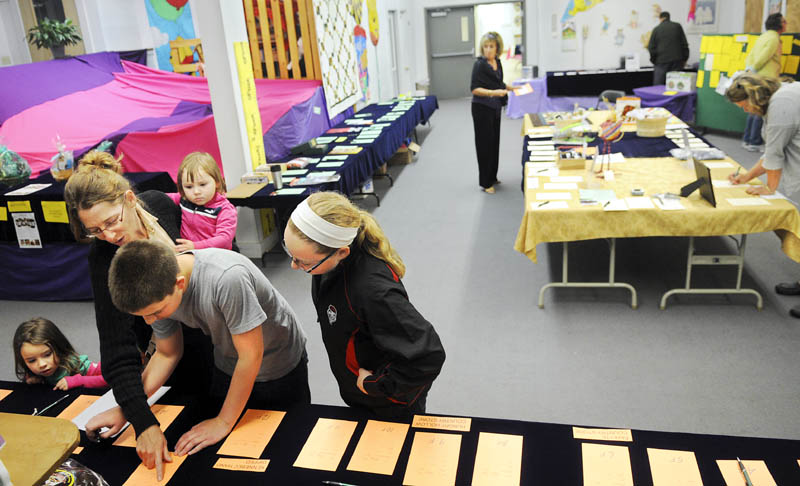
42 354
208 219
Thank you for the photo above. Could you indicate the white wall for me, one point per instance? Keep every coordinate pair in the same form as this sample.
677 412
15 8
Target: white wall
600 49
13 46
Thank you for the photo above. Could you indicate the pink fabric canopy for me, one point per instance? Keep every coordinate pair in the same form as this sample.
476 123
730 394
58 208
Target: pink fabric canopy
158 117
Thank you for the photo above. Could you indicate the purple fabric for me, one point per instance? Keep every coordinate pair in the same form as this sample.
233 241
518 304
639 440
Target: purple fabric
299 124
680 104
58 271
28 85
538 101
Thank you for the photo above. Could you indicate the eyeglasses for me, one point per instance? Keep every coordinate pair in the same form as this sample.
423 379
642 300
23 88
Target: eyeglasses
303 266
95 232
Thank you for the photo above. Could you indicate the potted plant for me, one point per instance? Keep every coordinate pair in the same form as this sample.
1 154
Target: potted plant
54 35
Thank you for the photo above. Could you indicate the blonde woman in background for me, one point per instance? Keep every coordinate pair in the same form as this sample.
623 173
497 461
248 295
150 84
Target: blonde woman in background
382 352
489 96
779 105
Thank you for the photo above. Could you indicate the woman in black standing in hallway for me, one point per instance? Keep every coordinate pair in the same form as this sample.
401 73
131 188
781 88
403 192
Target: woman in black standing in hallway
489 95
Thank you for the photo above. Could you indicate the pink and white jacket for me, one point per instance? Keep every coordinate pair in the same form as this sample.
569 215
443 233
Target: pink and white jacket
209 226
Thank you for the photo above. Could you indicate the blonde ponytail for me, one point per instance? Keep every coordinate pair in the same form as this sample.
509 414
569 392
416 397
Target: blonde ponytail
337 209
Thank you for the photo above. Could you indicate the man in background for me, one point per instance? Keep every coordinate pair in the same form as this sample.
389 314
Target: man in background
668 48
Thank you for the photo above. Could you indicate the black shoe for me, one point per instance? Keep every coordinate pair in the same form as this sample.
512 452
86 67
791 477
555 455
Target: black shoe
788 288
795 311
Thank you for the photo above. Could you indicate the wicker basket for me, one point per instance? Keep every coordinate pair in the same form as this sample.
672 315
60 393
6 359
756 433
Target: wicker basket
651 127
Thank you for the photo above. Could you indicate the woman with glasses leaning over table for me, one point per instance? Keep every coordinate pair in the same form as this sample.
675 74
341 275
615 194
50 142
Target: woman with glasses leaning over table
779 105
382 352
489 96
103 207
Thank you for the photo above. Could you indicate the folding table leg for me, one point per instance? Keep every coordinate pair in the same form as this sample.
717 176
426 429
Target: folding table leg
610 284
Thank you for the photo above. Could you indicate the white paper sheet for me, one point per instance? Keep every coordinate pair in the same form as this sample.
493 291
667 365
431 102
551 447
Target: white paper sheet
747 201
639 203
723 184
29 189
553 196
718 165
560 185
668 204
615 205
532 183
567 179
106 402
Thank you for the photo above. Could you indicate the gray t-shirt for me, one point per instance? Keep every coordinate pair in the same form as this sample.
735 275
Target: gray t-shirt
227 294
782 136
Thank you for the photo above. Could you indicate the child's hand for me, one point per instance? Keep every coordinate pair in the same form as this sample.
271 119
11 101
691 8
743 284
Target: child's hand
184 245
61 385
33 379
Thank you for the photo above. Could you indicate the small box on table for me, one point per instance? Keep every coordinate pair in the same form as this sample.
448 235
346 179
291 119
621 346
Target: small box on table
681 81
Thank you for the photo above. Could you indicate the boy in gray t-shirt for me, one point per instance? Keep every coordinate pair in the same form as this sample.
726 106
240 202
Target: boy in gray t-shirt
259 347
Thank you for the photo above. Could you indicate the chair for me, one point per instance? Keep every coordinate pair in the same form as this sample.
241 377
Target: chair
610 96
182 50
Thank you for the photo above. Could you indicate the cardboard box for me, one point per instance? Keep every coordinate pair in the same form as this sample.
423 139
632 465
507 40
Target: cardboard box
681 81
402 156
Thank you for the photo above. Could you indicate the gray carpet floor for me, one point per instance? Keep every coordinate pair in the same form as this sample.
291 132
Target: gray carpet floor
707 364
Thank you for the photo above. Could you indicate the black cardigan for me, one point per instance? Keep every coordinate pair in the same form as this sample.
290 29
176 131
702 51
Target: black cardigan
484 76
122 361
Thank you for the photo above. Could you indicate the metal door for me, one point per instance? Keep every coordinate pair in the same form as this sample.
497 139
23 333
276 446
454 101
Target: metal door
451 50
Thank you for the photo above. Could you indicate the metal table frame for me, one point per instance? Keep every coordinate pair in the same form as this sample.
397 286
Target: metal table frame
612 257
693 259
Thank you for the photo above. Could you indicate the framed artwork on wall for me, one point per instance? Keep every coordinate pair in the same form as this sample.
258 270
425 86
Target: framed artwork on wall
704 17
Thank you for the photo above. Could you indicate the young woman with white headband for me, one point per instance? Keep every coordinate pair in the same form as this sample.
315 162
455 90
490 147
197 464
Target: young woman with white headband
383 353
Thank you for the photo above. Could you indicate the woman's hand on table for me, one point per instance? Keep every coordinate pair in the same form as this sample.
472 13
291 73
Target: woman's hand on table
206 433
760 191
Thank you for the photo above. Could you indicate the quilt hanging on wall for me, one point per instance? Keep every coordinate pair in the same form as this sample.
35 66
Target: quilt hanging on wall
337 55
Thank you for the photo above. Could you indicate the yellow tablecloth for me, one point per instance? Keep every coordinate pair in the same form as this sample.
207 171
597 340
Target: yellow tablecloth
654 175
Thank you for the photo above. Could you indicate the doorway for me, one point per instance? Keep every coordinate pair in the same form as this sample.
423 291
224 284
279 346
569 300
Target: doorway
451 50
32 11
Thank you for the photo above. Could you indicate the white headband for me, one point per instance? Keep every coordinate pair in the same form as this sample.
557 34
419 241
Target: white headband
319 230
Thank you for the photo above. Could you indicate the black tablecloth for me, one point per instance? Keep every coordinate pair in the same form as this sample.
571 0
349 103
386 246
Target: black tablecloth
59 232
592 83
550 454
357 168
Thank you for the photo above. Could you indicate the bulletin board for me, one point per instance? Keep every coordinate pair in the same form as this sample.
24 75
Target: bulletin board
723 55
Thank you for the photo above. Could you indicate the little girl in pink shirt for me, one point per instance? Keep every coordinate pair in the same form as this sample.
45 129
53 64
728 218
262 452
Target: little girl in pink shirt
208 219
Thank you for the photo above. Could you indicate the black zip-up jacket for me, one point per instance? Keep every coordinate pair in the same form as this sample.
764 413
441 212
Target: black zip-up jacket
120 332
367 322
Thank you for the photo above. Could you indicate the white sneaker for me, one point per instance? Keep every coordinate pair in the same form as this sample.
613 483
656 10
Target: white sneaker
751 148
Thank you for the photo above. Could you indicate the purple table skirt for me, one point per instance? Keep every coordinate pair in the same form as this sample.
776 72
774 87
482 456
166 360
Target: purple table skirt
538 101
680 104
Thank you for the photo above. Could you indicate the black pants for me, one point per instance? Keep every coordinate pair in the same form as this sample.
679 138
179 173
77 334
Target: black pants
280 394
660 71
486 121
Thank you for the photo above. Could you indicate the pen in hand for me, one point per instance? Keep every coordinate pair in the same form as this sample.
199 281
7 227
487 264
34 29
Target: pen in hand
744 472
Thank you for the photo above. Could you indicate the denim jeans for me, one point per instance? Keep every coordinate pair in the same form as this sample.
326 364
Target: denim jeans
752 130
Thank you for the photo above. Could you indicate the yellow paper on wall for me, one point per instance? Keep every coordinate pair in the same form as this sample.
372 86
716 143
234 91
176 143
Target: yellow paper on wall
727 45
674 467
606 465
792 63
721 62
252 117
786 44
713 80
701 75
19 206
715 45
3 213
783 63
704 44
55 211
498 461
